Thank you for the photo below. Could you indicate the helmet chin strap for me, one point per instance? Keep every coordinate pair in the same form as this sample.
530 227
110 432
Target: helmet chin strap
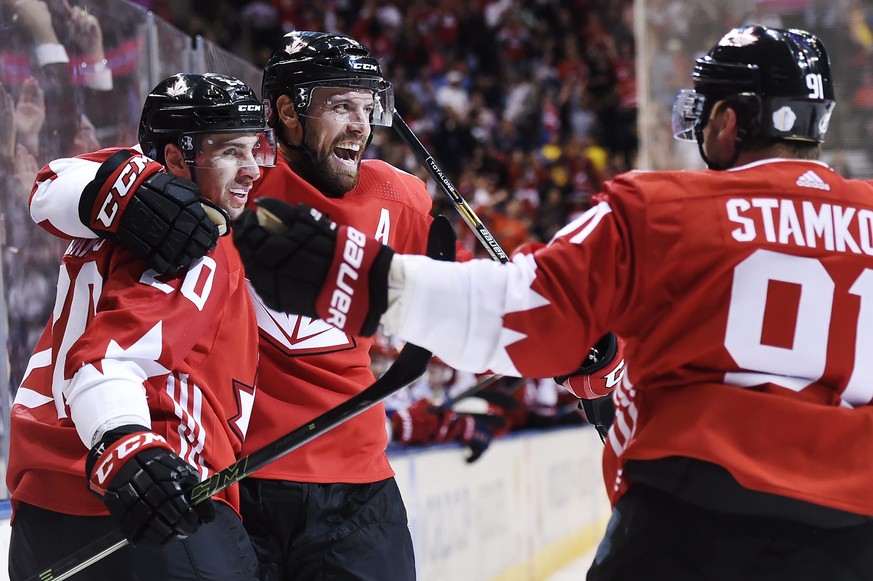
302 147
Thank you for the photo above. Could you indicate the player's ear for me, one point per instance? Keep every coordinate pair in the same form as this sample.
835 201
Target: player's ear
286 110
287 114
175 162
724 120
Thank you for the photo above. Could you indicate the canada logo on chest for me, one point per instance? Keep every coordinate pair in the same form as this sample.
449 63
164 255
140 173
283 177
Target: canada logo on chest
296 335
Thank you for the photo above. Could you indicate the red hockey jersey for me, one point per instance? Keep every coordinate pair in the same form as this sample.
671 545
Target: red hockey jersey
180 350
742 297
307 366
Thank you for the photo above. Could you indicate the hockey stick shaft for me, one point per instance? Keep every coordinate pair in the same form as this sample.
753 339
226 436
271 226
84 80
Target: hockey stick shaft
469 216
500 396
410 364
470 391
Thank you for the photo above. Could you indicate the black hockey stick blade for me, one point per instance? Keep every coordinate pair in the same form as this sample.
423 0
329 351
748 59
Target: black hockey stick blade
410 364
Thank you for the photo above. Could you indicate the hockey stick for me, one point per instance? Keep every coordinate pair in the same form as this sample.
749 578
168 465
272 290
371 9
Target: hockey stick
498 396
461 205
409 365
470 391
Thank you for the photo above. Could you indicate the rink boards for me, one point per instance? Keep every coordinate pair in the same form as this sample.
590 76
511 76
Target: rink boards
532 504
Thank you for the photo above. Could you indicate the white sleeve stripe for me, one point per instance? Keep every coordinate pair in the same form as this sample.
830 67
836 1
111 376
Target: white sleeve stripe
601 210
30 398
37 360
590 219
100 401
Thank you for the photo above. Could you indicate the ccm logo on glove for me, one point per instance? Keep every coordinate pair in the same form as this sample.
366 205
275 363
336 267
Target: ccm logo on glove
115 456
124 184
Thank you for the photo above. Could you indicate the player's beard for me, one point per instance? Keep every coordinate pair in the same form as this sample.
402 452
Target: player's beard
325 177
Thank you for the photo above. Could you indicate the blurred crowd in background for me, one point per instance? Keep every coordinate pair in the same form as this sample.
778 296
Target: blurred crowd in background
528 106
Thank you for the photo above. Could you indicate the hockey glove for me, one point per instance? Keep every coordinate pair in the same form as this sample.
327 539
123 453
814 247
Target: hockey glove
423 423
143 483
601 371
596 379
474 431
300 262
418 424
159 217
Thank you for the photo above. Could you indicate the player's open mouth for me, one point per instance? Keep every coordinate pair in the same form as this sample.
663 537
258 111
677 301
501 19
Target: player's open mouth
240 193
347 153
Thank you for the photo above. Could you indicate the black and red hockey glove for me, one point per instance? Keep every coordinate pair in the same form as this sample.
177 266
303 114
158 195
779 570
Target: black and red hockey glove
601 371
159 217
596 379
143 484
300 262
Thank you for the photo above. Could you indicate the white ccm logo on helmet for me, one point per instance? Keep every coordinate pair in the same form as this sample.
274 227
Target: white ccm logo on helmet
341 299
364 67
248 107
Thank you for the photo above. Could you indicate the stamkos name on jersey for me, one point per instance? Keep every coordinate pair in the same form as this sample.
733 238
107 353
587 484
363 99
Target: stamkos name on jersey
802 223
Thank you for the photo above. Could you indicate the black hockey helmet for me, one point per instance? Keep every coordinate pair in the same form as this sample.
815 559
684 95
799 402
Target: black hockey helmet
187 104
306 60
779 82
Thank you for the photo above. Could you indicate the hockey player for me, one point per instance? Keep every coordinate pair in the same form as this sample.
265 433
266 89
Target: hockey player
743 434
332 508
142 384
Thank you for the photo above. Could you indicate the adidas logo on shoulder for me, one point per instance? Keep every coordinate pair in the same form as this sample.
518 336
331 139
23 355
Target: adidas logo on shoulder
811 180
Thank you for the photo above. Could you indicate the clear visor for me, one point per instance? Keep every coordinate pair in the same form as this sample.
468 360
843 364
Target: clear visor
361 101
687 109
240 147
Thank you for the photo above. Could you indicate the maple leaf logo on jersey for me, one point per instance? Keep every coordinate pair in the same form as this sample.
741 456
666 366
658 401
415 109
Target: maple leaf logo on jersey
135 363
